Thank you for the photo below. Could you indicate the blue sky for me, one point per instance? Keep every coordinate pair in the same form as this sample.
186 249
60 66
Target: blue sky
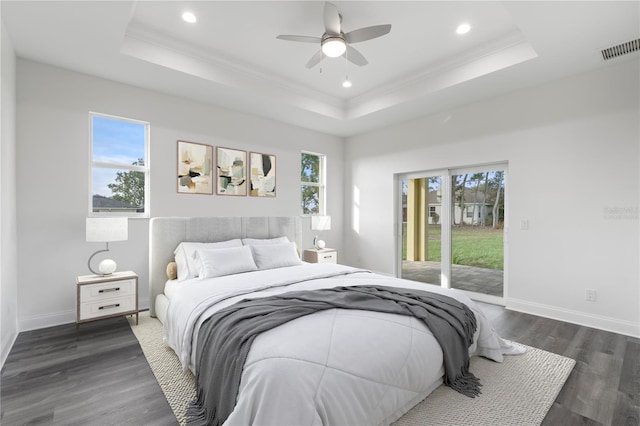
114 141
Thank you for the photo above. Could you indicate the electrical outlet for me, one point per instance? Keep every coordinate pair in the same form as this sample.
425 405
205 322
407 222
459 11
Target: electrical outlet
524 224
590 295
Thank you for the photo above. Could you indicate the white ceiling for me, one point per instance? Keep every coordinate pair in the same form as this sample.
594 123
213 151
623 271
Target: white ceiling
231 57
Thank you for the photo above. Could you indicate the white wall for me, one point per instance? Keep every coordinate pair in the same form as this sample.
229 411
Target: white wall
52 178
8 236
573 153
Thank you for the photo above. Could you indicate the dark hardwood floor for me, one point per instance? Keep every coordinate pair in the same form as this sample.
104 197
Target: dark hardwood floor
604 386
95 376
99 375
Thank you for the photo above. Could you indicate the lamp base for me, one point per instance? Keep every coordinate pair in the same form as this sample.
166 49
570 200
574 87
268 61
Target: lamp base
107 267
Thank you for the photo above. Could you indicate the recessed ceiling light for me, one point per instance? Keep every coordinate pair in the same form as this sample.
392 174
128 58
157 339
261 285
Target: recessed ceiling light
189 17
463 29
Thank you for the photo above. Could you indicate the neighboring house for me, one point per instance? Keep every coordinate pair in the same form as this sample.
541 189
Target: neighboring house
475 209
105 204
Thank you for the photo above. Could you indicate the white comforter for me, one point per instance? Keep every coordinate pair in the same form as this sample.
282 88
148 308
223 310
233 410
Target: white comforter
336 367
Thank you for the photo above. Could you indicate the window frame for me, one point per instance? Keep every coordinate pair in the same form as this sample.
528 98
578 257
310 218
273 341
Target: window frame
321 184
120 166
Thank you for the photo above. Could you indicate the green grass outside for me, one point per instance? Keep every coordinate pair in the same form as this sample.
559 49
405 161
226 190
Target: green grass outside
471 246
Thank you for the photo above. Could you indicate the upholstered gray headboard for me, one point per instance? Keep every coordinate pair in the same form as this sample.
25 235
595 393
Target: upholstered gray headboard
165 233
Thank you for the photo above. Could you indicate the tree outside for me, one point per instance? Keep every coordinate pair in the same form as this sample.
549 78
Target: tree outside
482 190
129 186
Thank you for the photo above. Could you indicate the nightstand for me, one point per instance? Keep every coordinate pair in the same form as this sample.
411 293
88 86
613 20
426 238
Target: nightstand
105 296
326 255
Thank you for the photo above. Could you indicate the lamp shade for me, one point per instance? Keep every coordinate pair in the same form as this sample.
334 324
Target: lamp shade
321 223
106 229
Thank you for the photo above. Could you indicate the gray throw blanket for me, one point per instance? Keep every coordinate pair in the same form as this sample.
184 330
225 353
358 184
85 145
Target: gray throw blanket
226 337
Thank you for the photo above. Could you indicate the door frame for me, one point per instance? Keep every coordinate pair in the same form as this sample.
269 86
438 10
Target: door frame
445 218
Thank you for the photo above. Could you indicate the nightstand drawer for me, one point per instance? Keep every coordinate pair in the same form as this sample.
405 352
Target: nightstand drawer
328 257
107 307
102 291
321 256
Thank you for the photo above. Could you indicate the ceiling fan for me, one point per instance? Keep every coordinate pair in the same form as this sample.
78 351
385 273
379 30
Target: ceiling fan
334 42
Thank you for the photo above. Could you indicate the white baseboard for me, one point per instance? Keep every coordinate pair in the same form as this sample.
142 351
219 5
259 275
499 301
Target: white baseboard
486 298
628 328
47 320
53 319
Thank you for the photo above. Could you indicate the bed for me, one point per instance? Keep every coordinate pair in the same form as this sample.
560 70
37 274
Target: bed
338 364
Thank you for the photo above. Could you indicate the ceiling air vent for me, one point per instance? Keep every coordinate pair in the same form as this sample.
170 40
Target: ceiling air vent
621 49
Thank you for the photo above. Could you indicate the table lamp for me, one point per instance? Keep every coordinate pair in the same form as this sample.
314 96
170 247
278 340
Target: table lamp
106 229
320 223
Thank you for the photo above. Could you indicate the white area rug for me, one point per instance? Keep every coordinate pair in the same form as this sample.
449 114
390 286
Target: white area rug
518 391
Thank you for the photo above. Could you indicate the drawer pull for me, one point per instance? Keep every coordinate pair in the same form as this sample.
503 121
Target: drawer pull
109 290
328 257
117 305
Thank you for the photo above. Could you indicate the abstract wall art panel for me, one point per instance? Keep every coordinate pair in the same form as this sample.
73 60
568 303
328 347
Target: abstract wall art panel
263 175
195 161
231 171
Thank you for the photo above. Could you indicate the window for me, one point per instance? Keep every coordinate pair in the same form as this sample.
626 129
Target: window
312 183
119 175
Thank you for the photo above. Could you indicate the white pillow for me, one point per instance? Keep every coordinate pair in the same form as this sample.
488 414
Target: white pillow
225 261
185 256
260 241
270 256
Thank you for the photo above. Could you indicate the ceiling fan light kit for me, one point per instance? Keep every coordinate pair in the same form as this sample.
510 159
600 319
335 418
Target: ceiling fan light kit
333 46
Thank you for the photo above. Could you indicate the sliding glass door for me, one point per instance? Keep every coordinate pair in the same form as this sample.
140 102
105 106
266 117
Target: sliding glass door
453 229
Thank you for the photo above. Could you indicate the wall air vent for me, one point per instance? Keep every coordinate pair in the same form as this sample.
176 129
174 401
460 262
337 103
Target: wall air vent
621 49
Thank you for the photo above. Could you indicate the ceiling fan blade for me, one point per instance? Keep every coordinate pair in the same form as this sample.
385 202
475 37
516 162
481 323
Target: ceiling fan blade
304 39
364 34
331 19
315 59
354 56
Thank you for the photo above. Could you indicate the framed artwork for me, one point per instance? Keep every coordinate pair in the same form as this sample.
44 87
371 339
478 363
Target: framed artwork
262 182
195 165
232 171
